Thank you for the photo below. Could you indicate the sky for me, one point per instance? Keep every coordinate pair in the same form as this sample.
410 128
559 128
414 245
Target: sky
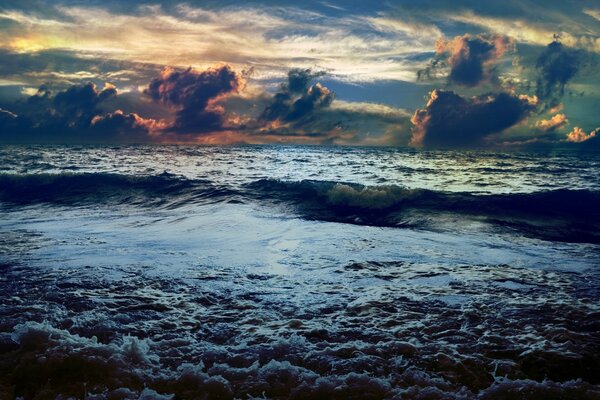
426 74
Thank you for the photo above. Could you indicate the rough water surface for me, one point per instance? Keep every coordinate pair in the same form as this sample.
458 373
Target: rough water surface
298 272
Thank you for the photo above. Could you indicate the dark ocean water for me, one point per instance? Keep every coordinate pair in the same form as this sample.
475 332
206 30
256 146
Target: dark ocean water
298 272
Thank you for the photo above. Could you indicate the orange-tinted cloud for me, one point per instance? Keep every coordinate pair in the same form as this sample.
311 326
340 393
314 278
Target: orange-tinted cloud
552 124
577 135
120 122
472 58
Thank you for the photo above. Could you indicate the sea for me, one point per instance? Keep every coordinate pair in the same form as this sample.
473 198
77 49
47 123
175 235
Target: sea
298 272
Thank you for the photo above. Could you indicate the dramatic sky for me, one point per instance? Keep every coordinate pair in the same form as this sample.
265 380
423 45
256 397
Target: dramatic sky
433 74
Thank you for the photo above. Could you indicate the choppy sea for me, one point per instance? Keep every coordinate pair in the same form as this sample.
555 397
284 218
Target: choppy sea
253 272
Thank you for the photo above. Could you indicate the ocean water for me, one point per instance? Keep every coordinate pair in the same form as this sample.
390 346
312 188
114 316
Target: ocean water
277 272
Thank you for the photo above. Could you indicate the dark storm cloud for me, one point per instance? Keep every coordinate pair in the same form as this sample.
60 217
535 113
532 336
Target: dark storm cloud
198 102
265 117
297 99
131 124
435 67
315 97
450 120
72 115
79 104
299 79
70 109
193 93
471 58
556 66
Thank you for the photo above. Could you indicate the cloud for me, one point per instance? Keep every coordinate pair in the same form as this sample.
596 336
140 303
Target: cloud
403 26
594 13
64 68
450 120
193 94
296 99
46 114
271 38
79 104
317 96
471 58
74 115
552 124
577 135
365 124
556 66
299 79
121 123
302 111
535 25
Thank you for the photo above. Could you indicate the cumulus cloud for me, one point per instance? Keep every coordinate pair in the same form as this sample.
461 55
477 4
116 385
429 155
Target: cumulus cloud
78 105
74 115
317 96
556 108
299 79
556 66
300 111
180 104
577 135
552 124
450 120
297 99
471 58
126 123
193 94
304 111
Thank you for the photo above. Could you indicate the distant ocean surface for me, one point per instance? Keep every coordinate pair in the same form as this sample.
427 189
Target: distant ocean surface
159 272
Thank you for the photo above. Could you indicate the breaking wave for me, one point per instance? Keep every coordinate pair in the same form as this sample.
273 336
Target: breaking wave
212 282
560 215
563 215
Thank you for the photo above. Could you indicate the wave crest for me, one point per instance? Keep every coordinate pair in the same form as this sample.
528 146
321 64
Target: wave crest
85 188
561 215
370 197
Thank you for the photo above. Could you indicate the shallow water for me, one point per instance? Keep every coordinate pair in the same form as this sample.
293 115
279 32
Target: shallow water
298 272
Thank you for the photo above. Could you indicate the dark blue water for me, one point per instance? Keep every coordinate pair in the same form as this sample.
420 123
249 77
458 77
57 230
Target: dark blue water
298 272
